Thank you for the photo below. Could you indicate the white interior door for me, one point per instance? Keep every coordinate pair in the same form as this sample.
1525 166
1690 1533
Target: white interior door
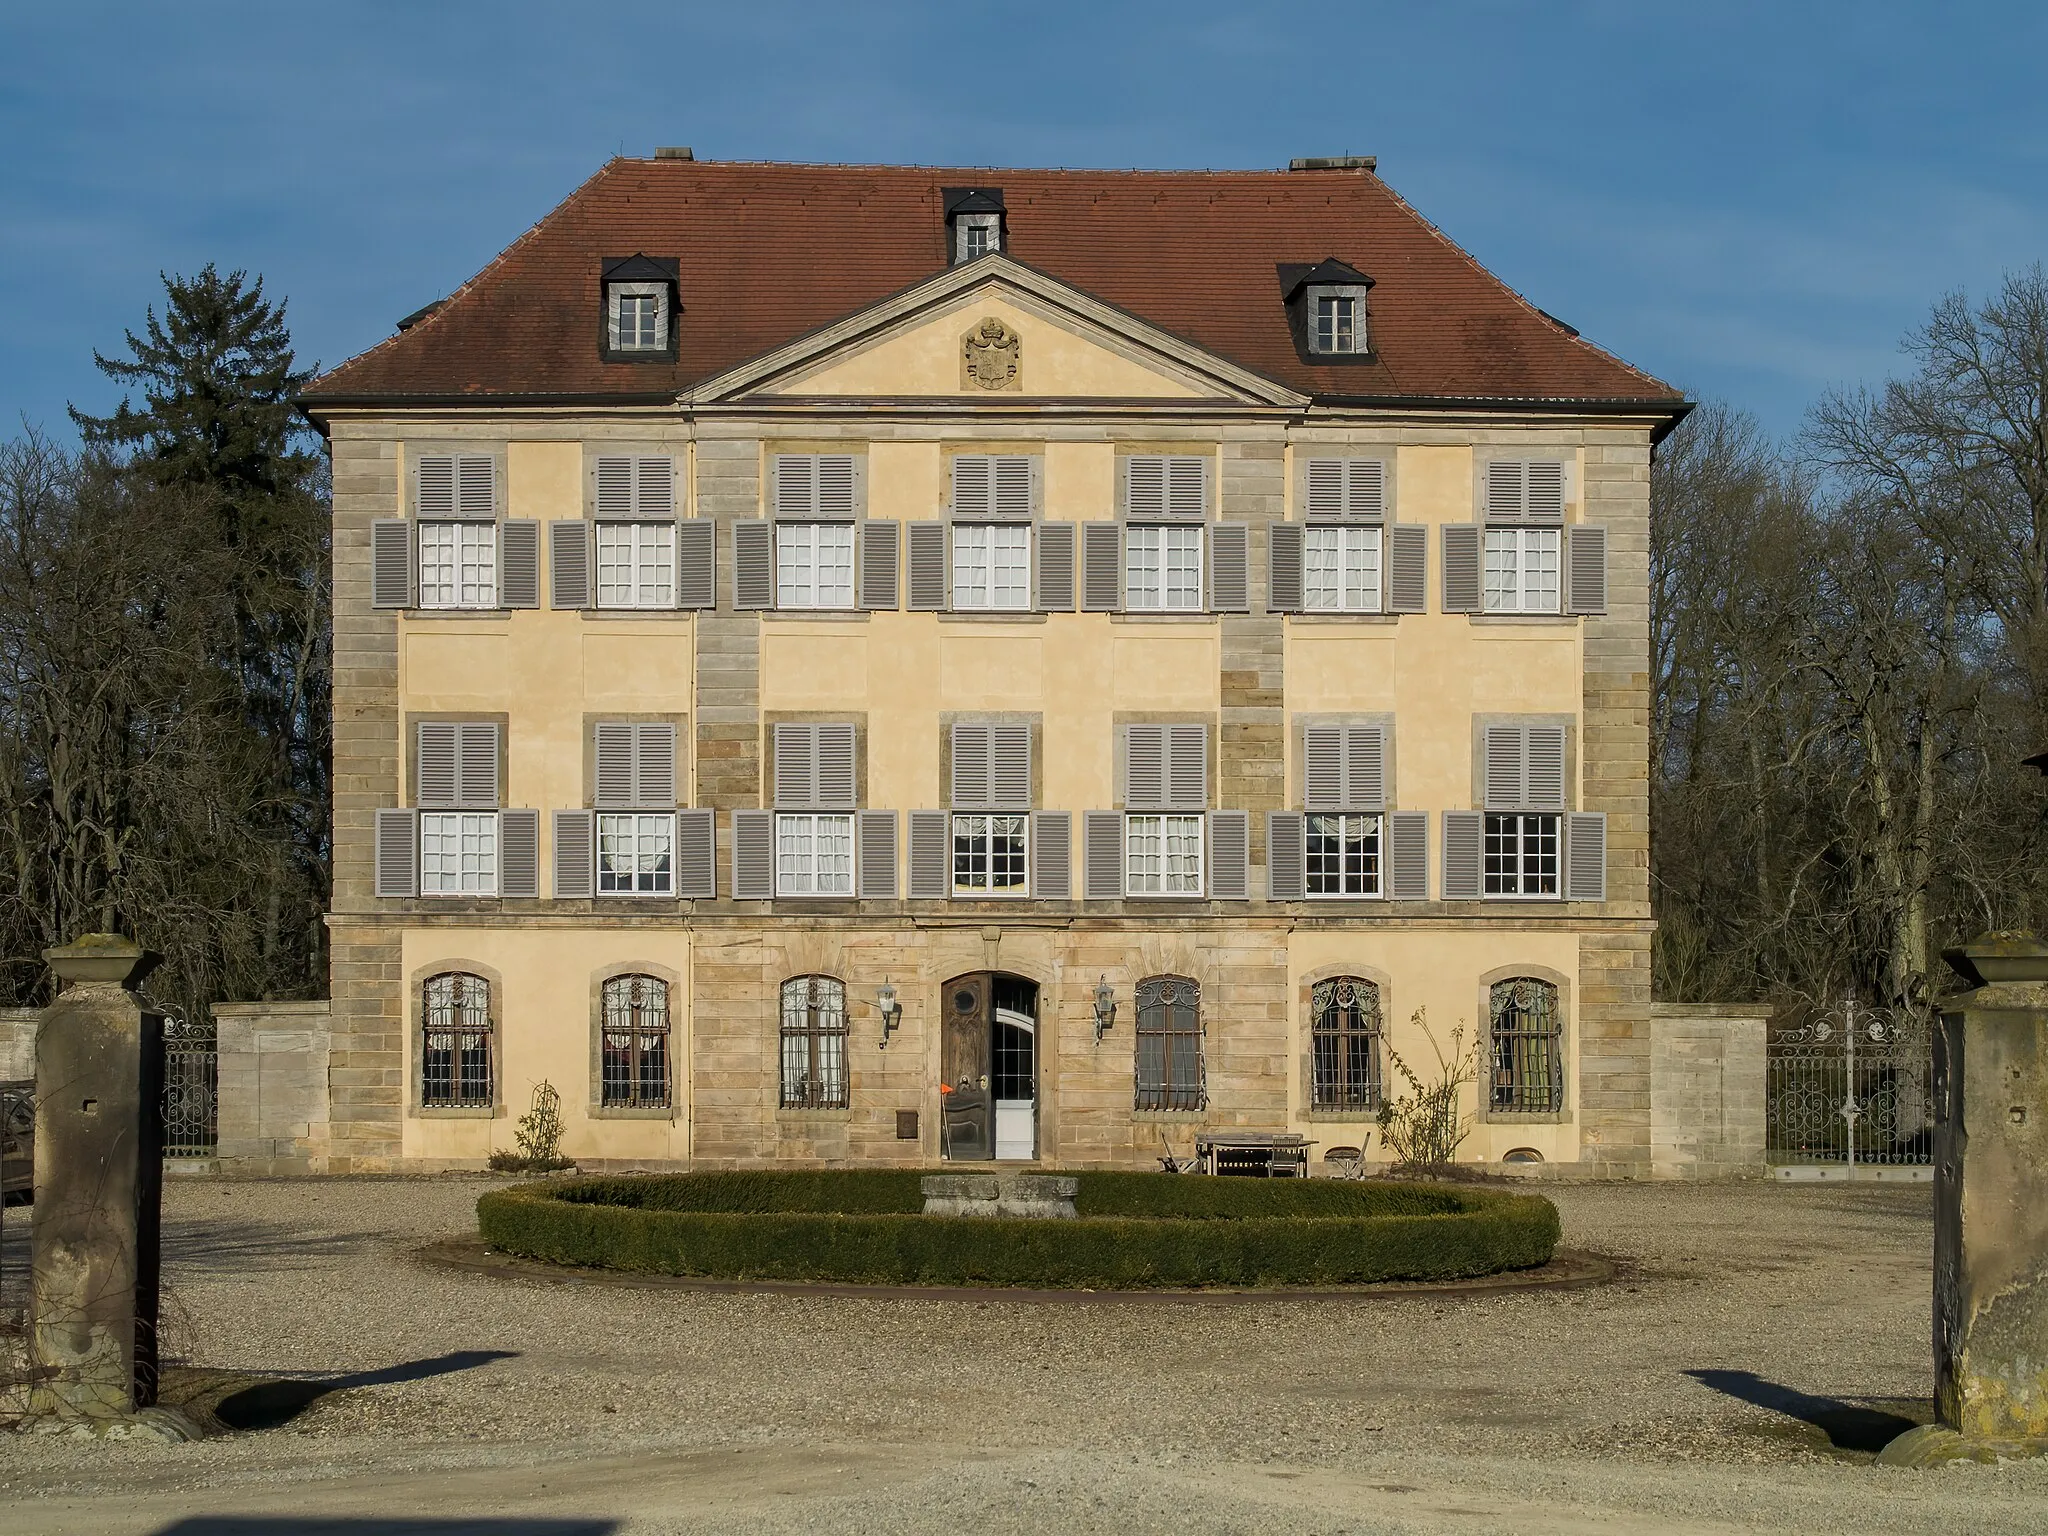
1017 1119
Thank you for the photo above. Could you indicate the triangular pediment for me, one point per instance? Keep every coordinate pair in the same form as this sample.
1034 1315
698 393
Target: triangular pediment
989 332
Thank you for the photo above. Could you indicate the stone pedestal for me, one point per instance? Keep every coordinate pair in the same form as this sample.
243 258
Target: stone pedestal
1990 1208
1048 1196
98 1183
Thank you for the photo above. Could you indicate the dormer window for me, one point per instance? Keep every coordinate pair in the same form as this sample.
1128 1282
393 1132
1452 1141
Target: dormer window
1327 306
639 309
1336 322
974 219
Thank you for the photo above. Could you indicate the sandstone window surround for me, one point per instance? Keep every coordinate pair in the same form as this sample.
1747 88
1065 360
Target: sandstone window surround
1526 843
633 841
1345 843
641 302
631 551
455 552
1165 843
456 839
813 1040
1345 1024
817 552
1525 1048
457 1042
814 841
1171 1073
633 1043
1165 557
1522 557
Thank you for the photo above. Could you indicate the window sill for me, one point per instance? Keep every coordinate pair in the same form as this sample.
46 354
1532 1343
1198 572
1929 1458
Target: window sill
814 1116
1170 1116
629 1112
1342 1116
456 1111
818 615
1510 1117
1522 620
1166 618
991 616
1388 619
437 614
637 613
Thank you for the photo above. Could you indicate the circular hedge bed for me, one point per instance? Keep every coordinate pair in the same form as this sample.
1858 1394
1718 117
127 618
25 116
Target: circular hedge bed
1135 1231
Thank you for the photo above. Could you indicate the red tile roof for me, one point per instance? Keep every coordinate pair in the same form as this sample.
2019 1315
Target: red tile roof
769 252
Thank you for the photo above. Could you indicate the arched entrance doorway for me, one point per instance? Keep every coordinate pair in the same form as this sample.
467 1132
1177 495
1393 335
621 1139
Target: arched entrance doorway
988 1068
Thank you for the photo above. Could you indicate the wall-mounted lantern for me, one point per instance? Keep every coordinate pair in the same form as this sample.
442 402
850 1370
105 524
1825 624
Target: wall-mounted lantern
890 1007
1105 1007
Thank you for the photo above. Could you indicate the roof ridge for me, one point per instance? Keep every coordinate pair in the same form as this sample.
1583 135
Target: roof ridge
1025 170
1571 336
442 306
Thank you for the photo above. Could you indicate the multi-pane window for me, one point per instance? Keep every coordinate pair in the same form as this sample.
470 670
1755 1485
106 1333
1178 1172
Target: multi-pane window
458 565
1521 854
636 565
1163 569
634 1043
1344 1037
991 565
814 565
1522 570
813 854
1526 1031
455 1041
458 853
1169 1044
989 854
813 1043
639 322
1342 854
1341 572
1162 855
1336 323
634 854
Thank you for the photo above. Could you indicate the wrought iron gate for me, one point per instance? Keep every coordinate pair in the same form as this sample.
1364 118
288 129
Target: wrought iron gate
191 1086
1849 1087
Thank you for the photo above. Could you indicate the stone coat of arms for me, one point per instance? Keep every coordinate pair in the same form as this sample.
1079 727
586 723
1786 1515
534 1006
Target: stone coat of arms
989 356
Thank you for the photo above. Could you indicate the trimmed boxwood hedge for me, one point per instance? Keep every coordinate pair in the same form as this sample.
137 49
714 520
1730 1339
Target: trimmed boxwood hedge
1136 1231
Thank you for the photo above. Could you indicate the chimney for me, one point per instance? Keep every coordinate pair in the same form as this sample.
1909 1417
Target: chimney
1335 163
674 152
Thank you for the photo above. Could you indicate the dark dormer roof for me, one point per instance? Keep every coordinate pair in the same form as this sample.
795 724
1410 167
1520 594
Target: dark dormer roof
641 269
972 200
1295 275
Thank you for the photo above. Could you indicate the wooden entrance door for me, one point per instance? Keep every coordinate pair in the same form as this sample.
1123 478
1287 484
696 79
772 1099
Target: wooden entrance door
966 1060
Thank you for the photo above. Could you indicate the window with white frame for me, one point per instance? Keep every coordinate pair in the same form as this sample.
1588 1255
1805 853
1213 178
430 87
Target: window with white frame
636 565
990 854
1162 855
992 565
976 234
1341 570
1342 853
639 317
814 565
1521 854
635 853
1522 570
813 854
458 565
458 853
1336 323
1163 568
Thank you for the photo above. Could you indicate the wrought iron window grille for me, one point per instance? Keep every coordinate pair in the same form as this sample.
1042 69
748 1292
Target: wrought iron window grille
1171 1072
1344 1036
814 1043
455 1055
634 1044
1526 1036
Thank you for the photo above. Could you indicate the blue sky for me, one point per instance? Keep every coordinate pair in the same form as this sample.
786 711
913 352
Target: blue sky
1753 201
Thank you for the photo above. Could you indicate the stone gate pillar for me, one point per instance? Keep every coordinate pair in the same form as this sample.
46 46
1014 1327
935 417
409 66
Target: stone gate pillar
98 1187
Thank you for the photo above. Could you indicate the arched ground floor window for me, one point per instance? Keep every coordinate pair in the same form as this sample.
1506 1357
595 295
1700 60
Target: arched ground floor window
814 1043
1170 1068
634 1044
1526 1034
455 1044
1344 1041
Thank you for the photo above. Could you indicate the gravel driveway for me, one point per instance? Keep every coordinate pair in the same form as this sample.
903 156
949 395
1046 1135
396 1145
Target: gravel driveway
1759 1342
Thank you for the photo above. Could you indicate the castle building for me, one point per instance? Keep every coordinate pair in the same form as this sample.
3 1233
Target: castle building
875 666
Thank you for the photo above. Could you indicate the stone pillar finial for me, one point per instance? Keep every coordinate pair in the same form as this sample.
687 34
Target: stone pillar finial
102 958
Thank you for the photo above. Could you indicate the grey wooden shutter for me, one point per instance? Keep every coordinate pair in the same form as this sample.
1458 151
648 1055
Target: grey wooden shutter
1102 567
1052 856
1464 855
696 563
615 487
1461 568
753 855
838 486
1505 501
614 763
519 563
1326 489
1056 567
1407 568
1506 767
794 479
836 774
1543 488
1144 477
877 855
397 871
1544 785
476 486
1585 856
519 853
1230 853
436 777
1187 767
569 564
1585 566
1322 767
477 762
1283 567
1365 490
1186 488
434 487
973 495
1407 835
1286 874
1102 855
971 766
796 773
1365 767
575 853
391 567
878 566
931 856
1013 487
927 567
654 764
1009 766
696 861
1144 766
753 565
654 489
1229 568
